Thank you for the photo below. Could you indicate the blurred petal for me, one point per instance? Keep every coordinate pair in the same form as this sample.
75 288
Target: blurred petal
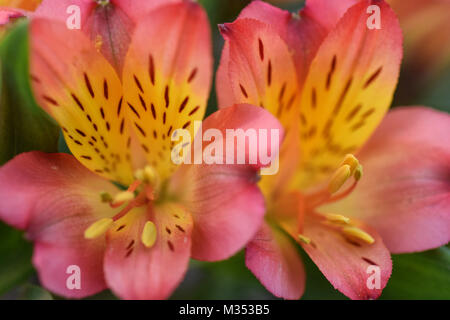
167 80
327 13
274 260
134 271
81 90
224 90
346 263
54 198
405 190
348 90
110 29
225 202
261 70
137 9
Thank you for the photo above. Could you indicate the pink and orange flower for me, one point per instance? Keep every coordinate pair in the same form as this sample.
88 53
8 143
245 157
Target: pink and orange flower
330 80
118 101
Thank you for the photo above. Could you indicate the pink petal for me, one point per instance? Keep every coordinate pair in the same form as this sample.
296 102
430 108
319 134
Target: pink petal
346 263
274 260
54 263
136 9
110 29
261 69
405 190
327 13
134 271
226 205
348 90
54 198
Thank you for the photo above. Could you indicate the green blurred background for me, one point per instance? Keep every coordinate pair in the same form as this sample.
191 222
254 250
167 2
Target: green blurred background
423 275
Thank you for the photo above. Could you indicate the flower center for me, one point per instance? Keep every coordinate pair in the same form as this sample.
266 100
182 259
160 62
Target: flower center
142 191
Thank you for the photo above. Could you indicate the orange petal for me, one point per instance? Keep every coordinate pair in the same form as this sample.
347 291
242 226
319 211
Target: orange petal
357 269
261 70
82 92
29 5
349 88
167 77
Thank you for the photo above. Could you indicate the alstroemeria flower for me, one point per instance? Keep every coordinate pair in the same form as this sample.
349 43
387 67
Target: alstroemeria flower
330 80
137 242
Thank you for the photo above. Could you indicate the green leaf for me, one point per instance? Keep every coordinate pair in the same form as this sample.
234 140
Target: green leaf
24 126
15 261
33 292
424 275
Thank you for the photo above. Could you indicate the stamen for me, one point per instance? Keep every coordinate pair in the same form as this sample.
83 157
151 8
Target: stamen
105 196
339 178
351 161
304 239
358 172
147 175
337 218
359 234
123 197
139 174
98 228
148 237
150 175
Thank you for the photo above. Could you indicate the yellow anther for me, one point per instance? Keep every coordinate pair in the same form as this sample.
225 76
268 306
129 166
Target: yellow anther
339 178
123 196
139 174
304 239
105 196
359 234
358 172
351 161
146 175
148 237
150 175
337 218
98 228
